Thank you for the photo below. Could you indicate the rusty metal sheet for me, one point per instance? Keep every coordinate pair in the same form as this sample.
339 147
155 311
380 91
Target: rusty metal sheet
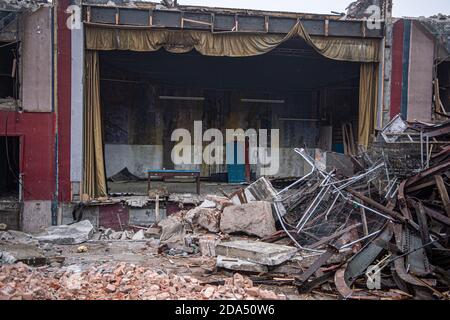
324 257
359 263
423 224
345 291
399 264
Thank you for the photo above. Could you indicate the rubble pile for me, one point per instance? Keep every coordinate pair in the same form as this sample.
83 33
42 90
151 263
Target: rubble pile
390 236
380 233
374 235
120 281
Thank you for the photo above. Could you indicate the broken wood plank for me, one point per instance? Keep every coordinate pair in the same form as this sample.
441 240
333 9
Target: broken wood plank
443 193
420 186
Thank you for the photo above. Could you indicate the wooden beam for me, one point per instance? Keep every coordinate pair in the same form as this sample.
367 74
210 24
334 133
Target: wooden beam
443 193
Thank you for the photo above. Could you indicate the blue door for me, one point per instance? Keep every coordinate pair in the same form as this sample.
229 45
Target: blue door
235 154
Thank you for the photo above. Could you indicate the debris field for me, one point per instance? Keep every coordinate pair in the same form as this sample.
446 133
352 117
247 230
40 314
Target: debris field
380 234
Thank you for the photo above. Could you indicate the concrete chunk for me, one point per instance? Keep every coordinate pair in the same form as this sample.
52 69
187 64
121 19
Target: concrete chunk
208 246
68 234
152 232
240 265
207 218
220 202
14 236
28 254
139 235
255 219
208 204
268 254
173 232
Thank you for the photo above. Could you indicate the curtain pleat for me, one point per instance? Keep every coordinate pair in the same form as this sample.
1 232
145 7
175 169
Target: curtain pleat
94 182
368 102
227 44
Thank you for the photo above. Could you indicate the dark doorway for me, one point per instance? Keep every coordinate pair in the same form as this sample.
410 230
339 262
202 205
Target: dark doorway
8 87
9 167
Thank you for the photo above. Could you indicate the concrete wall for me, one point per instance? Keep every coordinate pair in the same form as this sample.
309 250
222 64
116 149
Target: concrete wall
37 61
421 61
89 213
137 158
37 151
36 216
35 126
140 158
76 116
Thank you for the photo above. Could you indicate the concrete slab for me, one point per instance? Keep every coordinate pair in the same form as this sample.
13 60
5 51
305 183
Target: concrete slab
254 218
268 254
68 234
240 265
28 254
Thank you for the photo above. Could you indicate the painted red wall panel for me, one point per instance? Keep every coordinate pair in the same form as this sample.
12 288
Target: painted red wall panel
113 216
38 151
397 68
64 101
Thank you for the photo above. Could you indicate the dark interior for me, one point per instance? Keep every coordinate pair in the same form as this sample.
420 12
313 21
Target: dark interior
292 67
9 166
315 92
444 84
6 68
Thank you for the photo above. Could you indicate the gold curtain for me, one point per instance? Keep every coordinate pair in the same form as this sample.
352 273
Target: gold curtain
341 48
368 102
227 44
94 181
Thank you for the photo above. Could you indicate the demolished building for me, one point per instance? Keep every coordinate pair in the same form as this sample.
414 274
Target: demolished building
93 90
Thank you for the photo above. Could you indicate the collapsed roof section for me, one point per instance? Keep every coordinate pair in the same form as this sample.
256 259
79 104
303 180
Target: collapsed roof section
361 9
20 5
439 27
9 10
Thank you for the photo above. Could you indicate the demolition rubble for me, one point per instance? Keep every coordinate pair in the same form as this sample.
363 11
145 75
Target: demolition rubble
379 234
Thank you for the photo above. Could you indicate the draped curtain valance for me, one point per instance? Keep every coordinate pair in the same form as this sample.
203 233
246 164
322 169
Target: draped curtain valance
226 44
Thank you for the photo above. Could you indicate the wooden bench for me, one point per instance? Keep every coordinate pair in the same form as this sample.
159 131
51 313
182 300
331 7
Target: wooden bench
174 173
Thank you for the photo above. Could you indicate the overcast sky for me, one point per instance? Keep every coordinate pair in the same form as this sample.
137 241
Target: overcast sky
402 8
